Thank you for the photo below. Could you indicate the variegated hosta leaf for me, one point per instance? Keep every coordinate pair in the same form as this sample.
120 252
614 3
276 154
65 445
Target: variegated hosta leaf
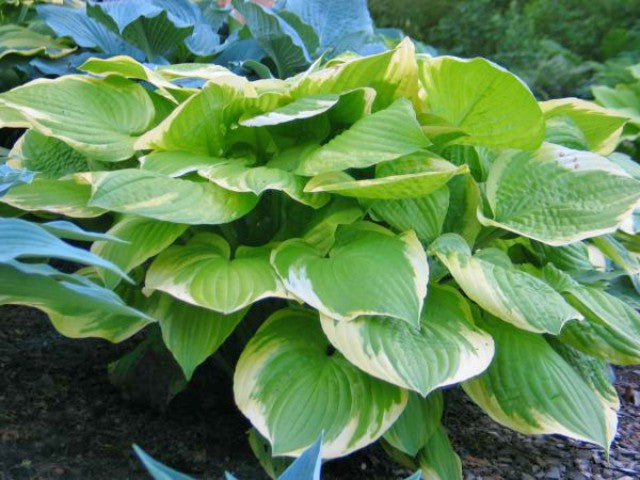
149 194
302 108
101 118
616 251
611 329
63 196
424 174
202 273
17 40
583 195
448 348
493 282
239 176
418 422
571 257
379 137
597 373
77 307
425 215
390 272
533 390
196 126
292 387
438 460
600 127
464 201
321 229
191 334
480 103
177 163
144 238
393 74
48 156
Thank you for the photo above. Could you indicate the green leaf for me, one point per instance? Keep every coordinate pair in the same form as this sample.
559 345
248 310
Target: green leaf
239 176
601 127
533 390
321 229
196 126
152 195
584 195
379 137
391 273
438 460
446 349
77 307
623 99
192 334
464 201
66 196
480 101
48 156
425 214
98 117
143 238
17 40
176 163
68 230
418 422
393 74
611 329
325 395
493 282
202 273
411 177
302 108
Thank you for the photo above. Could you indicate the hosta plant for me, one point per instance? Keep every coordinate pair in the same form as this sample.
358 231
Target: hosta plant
370 232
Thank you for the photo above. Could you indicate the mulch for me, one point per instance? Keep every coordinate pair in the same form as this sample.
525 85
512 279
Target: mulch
60 418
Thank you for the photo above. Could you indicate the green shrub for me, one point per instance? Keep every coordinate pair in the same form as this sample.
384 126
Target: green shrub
417 222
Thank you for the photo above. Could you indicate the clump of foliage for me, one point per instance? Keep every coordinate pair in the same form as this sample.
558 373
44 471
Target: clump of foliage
417 222
557 47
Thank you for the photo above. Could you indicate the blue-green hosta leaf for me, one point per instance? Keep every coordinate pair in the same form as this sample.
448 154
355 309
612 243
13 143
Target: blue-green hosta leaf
17 40
191 333
50 157
611 329
276 37
327 394
584 195
600 127
22 239
425 215
177 163
382 136
307 466
302 108
333 20
533 390
196 126
427 173
98 117
11 177
391 273
238 176
438 460
143 238
158 470
446 349
63 196
393 74
152 195
494 283
419 421
84 30
481 102
202 273
77 307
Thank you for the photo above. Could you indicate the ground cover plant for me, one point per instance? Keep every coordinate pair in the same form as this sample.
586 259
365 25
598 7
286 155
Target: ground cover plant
369 231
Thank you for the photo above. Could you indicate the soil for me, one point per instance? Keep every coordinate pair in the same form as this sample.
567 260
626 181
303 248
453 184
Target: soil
60 418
